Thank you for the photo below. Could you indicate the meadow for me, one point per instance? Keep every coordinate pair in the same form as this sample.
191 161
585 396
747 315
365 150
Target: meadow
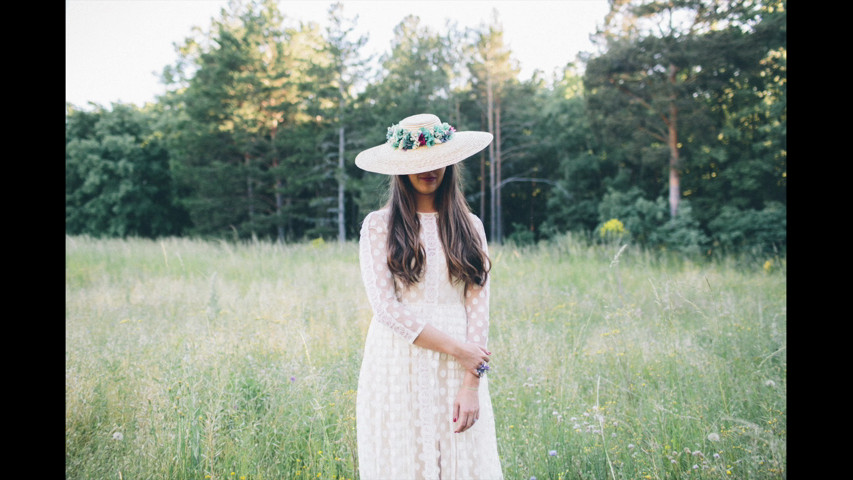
190 359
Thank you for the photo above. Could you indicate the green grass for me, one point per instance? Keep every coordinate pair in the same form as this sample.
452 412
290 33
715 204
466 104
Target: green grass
192 360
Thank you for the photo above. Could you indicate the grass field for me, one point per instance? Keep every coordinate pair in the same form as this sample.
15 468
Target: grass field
202 360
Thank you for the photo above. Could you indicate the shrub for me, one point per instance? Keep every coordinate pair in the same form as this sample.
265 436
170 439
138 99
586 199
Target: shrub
760 231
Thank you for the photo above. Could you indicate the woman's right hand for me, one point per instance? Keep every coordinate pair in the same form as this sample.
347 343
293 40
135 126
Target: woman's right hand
471 356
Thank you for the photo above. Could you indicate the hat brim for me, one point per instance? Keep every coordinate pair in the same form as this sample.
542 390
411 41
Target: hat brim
389 161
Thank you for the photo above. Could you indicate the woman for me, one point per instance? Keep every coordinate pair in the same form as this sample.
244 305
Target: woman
423 408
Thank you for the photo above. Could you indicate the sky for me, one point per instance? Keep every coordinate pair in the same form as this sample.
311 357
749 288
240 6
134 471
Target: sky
115 50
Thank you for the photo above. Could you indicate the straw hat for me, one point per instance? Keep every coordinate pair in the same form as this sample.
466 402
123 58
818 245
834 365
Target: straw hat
421 143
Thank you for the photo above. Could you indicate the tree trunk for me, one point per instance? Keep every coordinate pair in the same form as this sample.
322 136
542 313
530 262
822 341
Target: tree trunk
342 235
490 120
498 208
250 192
482 181
674 175
278 184
341 186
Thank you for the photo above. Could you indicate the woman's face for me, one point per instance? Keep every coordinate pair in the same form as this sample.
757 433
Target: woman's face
428 182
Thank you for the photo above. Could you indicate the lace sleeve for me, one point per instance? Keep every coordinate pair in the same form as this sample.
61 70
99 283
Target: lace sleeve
477 301
379 282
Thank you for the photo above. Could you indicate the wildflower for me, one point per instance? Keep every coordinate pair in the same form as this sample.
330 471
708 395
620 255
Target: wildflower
532 478
630 446
695 467
769 383
118 436
292 379
716 455
612 227
552 453
714 437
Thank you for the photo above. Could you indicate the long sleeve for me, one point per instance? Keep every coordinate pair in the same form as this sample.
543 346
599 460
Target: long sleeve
477 301
379 282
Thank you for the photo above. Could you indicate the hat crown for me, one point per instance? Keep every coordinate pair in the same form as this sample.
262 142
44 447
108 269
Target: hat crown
421 120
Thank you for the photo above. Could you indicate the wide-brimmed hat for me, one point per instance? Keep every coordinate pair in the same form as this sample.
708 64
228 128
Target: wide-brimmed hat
421 143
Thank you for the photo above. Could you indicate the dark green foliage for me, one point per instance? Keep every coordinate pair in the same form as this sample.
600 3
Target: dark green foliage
564 134
760 231
648 222
117 179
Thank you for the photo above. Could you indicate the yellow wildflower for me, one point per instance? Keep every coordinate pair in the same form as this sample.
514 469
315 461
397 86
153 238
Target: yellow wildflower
612 227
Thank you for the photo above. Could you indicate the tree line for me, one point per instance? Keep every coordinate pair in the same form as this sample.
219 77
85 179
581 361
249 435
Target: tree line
672 135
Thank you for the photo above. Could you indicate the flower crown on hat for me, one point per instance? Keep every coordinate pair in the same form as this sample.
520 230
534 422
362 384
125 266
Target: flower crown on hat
403 139
407 151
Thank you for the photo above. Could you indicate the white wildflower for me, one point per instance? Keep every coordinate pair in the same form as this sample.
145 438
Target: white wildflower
118 436
714 437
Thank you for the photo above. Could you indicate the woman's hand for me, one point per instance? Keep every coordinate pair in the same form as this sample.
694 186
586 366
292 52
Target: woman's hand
471 356
466 408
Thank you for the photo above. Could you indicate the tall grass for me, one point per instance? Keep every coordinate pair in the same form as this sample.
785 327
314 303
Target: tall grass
192 360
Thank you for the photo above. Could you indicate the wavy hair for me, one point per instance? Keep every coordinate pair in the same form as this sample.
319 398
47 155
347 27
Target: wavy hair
467 260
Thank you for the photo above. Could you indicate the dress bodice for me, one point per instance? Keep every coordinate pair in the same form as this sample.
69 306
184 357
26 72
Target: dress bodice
435 288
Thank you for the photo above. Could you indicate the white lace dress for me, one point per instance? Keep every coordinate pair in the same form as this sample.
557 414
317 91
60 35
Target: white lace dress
404 406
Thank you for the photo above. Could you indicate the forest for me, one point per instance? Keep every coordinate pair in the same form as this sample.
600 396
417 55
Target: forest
671 136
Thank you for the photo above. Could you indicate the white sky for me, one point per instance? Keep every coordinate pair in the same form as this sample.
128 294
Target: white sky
116 49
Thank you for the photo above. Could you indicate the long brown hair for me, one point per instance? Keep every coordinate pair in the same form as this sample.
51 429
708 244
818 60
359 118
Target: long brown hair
467 261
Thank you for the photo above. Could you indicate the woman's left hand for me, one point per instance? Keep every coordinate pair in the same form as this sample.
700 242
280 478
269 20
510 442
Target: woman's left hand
466 408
